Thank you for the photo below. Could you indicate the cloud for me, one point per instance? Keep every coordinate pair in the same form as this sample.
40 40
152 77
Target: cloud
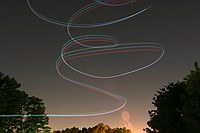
126 120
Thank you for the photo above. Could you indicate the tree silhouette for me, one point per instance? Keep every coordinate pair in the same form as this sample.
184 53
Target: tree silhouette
168 115
14 101
177 106
191 107
35 105
99 128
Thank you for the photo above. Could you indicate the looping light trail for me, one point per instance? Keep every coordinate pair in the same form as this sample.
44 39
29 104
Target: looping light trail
111 46
120 48
82 11
115 2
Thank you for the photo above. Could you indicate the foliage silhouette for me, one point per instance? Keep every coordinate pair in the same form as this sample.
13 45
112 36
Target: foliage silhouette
14 101
177 106
100 128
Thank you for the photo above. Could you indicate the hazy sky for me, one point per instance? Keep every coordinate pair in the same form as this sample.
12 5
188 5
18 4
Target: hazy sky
30 47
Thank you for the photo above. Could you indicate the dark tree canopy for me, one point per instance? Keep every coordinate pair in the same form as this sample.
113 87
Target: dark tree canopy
177 106
191 107
15 101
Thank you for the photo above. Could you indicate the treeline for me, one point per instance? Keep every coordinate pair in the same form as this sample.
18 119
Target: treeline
100 128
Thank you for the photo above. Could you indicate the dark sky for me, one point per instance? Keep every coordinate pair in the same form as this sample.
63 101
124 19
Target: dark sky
30 47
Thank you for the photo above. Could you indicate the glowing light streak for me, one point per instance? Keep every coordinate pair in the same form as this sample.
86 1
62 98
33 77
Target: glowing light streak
81 12
112 46
115 2
127 47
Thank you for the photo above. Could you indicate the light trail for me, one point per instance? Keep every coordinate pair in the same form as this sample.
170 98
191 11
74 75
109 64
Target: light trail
112 46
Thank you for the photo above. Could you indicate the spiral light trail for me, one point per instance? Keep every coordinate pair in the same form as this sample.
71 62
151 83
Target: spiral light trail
113 46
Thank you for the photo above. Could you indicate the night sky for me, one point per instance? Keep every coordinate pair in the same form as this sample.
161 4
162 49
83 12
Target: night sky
30 47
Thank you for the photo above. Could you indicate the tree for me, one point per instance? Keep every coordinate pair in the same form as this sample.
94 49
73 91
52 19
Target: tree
74 130
14 101
191 107
177 106
100 128
11 102
167 117
84 130
36 106
121 130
